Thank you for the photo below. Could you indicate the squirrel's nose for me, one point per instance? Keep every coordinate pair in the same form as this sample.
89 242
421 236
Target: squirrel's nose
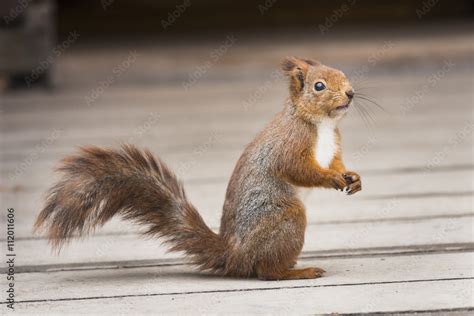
350 93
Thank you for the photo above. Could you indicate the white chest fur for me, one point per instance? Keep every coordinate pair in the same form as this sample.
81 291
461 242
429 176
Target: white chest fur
326 145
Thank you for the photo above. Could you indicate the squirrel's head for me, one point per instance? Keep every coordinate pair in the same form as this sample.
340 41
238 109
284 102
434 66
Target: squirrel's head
317 91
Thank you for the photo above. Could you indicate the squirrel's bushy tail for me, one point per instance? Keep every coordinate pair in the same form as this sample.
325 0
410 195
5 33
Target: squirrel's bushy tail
99 183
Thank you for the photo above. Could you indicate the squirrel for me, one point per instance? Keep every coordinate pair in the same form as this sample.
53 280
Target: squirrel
263 222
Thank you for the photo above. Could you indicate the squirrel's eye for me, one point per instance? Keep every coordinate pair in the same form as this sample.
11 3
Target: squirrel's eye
319 86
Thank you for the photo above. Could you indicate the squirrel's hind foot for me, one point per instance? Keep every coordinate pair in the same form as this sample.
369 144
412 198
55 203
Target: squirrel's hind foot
293 274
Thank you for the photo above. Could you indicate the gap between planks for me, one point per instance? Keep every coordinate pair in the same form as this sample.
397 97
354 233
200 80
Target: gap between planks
325 254
404 219
417 195
452 311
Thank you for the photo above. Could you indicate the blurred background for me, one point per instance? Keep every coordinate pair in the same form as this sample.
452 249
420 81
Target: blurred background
55 40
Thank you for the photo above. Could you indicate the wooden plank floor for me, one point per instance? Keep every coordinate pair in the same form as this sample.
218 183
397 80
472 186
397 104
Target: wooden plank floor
403 244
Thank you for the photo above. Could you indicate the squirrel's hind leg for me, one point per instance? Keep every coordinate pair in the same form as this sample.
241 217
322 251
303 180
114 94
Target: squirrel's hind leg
280 240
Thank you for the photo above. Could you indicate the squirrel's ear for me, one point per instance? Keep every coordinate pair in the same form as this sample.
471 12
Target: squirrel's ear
296 69
312 62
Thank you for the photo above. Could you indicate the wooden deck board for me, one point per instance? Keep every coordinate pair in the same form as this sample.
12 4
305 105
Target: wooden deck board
338 236
439 296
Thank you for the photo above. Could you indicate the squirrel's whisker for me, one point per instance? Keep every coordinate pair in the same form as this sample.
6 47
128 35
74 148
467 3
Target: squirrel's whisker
370 120
363 87
362 116
367 106
370 113
372 101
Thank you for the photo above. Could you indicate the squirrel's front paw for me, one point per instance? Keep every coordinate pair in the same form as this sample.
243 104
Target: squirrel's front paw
338 182
353 182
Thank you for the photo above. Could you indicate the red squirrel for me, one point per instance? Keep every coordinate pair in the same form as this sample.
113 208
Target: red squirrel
263 222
